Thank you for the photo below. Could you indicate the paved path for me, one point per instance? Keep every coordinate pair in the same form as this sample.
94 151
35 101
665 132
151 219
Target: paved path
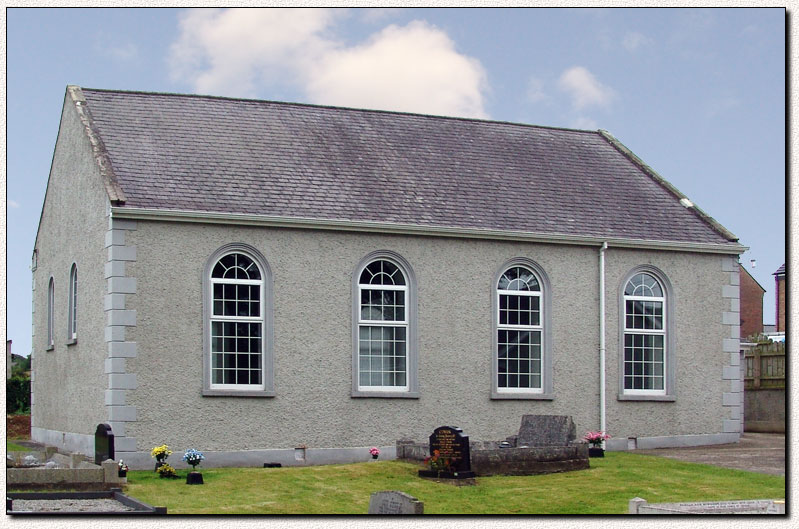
756 452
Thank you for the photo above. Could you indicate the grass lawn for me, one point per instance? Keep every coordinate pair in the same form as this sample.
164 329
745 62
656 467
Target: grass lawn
14 447
605 488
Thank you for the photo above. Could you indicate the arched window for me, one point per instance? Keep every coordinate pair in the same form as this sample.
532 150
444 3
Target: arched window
522 359
384 362
237 315
50 309
646 342
72 309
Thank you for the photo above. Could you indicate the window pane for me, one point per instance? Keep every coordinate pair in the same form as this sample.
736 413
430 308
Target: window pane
382 273
382 355
236 352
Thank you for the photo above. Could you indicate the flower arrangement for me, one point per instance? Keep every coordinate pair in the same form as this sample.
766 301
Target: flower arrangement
160 453
122 466
595 438
166 471
193 457
375 452
438 463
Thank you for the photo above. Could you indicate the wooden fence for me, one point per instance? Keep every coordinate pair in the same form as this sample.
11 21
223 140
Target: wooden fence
765 366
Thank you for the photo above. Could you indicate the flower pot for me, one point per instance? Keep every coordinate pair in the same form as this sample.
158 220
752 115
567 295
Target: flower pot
123 473
596 452
375 456
194 478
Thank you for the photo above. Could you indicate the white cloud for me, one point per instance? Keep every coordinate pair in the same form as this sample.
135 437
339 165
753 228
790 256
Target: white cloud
378 14
584 123
411 68
230 51
535 90
634 40
584 88
13 203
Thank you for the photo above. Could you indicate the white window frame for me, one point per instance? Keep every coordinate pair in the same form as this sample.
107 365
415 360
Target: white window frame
72 309
546 390
532 328
265 318
667 331
395 324
409 323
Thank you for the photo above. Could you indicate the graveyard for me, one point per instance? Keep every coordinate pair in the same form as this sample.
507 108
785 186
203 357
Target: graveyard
605 488
541 470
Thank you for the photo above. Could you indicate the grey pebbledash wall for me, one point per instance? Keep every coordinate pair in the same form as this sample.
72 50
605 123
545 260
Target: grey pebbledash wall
312 276
69 380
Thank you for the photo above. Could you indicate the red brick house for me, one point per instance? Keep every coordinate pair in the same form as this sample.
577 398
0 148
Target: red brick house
751 304
779 280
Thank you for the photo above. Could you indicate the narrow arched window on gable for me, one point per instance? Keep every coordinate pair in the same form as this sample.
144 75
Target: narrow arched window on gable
72 309
645 332
237 312
50 314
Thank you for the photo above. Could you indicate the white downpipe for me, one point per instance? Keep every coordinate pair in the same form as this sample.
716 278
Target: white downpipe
602 426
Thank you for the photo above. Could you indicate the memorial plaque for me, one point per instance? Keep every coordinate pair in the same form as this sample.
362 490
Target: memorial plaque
103 444
449 450
394 502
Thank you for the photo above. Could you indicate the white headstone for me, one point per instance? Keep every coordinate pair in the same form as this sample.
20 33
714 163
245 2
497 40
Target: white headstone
394 502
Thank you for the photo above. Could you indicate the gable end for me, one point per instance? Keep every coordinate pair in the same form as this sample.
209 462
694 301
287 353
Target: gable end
112 187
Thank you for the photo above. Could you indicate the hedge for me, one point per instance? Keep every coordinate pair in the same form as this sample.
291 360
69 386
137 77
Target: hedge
18 395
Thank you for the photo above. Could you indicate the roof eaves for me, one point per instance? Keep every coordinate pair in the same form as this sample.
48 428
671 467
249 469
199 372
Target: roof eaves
243 219
684 200
101 157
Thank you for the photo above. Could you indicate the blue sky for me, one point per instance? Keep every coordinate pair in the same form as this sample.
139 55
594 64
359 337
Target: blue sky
699 95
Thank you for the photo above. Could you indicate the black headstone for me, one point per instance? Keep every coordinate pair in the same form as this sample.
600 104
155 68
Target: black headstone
453 446
103 444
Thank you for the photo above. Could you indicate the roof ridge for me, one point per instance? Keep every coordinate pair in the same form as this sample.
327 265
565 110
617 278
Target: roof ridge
668 186
335 107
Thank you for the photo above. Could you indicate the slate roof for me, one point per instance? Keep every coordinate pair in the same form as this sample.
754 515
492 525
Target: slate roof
780 270
212 154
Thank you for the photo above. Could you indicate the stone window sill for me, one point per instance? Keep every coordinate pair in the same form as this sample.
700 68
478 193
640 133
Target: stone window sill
495 395
655 398
49 348
386 395
73 341
233 393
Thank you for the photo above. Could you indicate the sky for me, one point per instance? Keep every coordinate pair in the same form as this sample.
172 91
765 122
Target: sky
698 94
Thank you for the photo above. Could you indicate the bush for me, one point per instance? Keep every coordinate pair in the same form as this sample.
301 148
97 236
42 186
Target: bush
18 395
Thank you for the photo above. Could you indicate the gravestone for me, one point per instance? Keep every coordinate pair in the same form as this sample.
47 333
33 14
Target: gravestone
546 430
453 448
103 444
394 502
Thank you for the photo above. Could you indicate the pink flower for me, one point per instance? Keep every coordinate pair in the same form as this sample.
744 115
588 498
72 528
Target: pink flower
374 451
